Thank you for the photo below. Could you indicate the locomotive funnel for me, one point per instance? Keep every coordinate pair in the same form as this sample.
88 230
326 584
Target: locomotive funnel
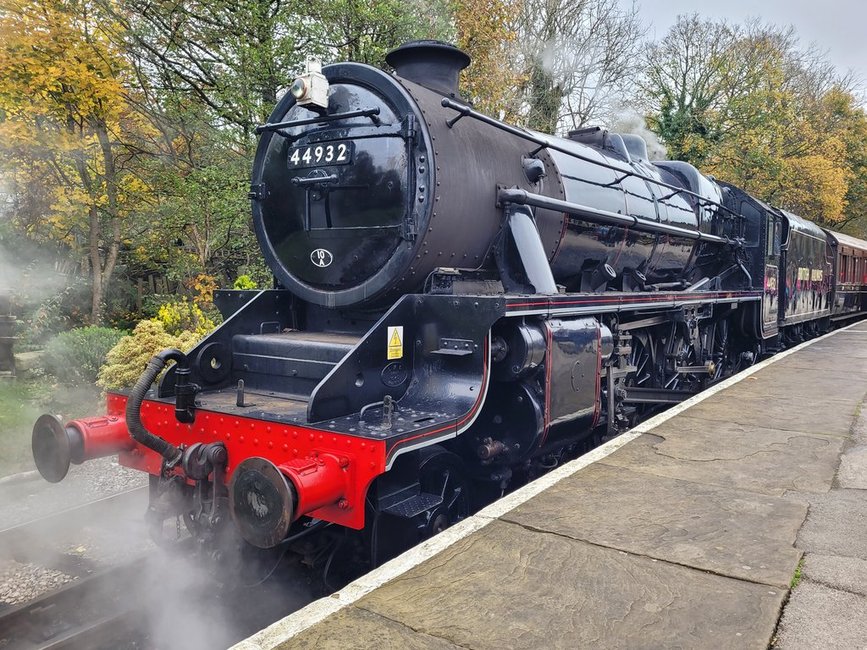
56 446
432 64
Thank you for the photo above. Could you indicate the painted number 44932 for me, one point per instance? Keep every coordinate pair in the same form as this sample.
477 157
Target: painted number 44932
315 155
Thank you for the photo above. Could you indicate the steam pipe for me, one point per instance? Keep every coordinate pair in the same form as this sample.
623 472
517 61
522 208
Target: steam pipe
604 217
137 430
550 143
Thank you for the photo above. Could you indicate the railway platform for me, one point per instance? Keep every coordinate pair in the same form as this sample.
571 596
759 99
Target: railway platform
737 519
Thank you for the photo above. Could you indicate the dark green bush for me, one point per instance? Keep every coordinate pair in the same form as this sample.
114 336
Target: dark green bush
75 357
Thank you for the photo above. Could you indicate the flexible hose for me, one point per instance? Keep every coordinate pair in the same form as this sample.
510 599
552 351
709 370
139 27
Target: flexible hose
133 405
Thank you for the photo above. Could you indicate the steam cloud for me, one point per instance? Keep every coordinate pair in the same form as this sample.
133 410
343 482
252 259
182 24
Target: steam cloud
627 120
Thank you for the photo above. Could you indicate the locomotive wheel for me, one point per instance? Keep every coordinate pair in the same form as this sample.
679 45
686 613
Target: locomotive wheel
442 473
642 358
725 364
677 351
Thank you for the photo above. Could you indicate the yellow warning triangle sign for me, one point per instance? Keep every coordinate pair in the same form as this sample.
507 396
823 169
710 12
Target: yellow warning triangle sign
395 341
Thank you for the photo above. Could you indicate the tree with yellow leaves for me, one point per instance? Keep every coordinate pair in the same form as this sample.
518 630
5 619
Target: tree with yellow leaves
484 31
746 104
67 122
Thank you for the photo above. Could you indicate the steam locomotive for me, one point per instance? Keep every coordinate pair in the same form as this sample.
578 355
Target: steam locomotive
460 304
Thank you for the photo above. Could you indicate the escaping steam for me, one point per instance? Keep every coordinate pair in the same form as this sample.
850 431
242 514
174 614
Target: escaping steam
627 120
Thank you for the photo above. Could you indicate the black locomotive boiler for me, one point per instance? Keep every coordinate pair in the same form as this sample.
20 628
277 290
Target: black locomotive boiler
460 305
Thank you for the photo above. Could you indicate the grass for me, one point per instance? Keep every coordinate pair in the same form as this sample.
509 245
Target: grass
796 579
24 400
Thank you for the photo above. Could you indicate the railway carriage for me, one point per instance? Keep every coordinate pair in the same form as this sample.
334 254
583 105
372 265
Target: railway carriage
849 256
461 304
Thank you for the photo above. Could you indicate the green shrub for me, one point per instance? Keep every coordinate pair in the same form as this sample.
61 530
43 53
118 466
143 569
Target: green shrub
127 360
152 302
244 282
184 316
75 357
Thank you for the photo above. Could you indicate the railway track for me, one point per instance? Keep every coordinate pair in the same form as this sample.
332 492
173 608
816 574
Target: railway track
126 594
51 541
97 611
114 505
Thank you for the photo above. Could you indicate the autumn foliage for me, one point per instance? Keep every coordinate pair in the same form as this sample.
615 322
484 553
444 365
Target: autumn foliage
484 32
127 127
745 104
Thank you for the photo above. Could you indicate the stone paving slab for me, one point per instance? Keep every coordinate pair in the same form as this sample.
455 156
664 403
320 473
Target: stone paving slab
836 524
821 385
843 345
729 439
817 616
360 629
719 529
509 587
826 360
728 454
843 573
786 413
853 468
852 473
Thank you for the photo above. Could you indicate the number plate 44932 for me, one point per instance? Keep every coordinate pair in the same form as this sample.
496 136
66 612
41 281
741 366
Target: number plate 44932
336 152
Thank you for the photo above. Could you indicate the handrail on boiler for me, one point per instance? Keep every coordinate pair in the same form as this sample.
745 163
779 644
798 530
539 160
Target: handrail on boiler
546 143
604 217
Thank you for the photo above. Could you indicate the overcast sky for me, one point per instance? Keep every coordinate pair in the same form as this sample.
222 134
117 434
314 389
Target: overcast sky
838 26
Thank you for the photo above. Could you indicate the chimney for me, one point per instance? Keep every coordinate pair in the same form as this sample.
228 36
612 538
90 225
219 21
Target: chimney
432 64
